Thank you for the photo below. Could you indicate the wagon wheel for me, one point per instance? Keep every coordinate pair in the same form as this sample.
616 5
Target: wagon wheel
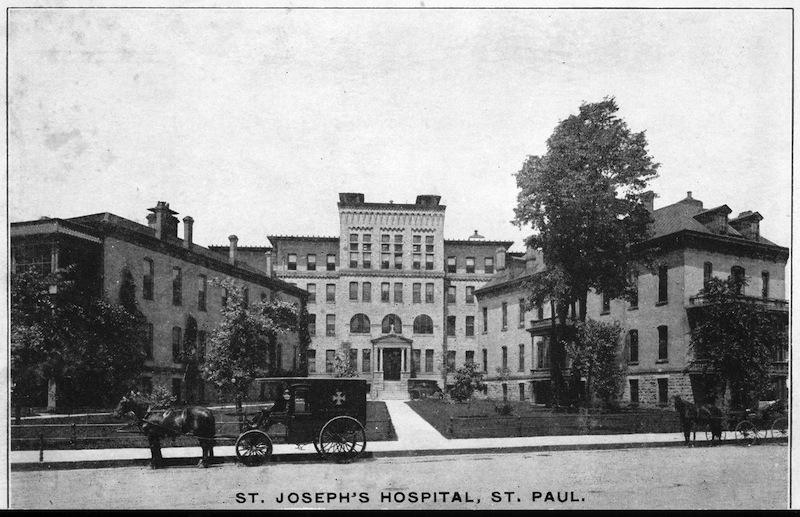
746 433
316 447
342 439
253 447
780 427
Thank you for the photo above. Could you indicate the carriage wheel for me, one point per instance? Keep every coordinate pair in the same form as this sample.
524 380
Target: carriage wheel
780 427
342 439
316 447
253 447
746 433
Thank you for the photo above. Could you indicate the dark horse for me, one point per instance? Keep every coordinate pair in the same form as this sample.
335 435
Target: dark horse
693 416
170 423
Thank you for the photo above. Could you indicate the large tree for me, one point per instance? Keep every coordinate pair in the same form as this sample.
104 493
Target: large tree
240 344
584 201
735 340
595 354
61 337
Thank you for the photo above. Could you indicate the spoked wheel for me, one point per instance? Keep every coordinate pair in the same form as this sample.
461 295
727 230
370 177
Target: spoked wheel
316 448
342 439
746 433
780 427
253 448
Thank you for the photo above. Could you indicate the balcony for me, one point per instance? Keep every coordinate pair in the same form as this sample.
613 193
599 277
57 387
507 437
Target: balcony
544 327
771 304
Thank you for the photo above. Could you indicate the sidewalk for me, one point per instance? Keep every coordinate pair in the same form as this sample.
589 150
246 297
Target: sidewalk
415 437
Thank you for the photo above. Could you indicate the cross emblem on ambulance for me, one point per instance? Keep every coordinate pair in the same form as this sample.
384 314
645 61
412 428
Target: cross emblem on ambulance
338 398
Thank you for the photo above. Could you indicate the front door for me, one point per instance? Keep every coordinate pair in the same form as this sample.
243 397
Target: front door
391 364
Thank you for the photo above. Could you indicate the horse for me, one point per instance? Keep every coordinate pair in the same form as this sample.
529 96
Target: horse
170 423
697 415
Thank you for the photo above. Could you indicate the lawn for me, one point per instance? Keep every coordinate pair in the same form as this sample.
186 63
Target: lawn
98 431
478 419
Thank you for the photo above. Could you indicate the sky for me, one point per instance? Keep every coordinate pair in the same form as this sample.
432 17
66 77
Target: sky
252 121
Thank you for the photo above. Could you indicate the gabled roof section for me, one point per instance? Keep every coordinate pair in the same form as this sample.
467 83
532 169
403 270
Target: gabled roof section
392 337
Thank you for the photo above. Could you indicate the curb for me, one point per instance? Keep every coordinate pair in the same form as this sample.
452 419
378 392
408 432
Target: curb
313 457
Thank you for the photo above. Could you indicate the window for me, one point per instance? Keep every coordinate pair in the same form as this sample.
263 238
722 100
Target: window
663 391
470 264
391 324
385 260
662 285
521 391
540 357
311 360
312 293
707 271
384 291
429 261
662 343
359 324
366 360
634 384
354 291
416 357
330 360
398 292
366 292
451 325
470 294
423 324
504 357
201 345
202 287
416 293
429 244
291 261
765 284
428 293
398 261
416 261
147 281
451 360
521 312
451 264
485 320
606 304
148 342
469 326
469 356
416 241
488 265
634 286
330 324
330 292
540 311
398 252
504 309
633 346
428 361
366 260
354 259
485 360
312 324
331 262
177 287
451 294
176 344
311 262
737 273
354 359
521 357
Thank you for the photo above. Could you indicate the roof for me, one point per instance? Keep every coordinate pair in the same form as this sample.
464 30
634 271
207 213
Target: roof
394 206
515 271
477 242
317 238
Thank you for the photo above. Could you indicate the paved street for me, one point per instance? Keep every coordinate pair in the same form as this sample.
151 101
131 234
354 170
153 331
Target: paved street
673 477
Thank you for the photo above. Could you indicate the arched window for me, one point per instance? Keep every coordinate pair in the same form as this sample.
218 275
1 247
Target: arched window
392 325
359 324
423 324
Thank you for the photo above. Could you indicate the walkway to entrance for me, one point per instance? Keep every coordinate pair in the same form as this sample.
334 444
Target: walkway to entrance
412 429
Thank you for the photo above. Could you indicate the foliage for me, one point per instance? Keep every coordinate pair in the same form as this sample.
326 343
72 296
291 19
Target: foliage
303 340
735 340
468 379
85 343
239 345
159 398
584 202
342 366
595 356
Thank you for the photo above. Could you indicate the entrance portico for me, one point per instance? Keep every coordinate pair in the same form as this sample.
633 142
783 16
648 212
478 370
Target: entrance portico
391 370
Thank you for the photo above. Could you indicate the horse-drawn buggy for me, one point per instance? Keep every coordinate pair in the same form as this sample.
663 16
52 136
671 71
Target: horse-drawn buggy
766 420
328 413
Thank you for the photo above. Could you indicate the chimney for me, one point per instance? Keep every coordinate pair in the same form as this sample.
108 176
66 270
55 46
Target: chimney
428 200
164 223
647 200
530 259
232 255
351 198
187 232
500 259
268 256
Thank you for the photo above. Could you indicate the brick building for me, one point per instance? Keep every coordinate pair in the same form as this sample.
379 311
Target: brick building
174 279
390 291
694 243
